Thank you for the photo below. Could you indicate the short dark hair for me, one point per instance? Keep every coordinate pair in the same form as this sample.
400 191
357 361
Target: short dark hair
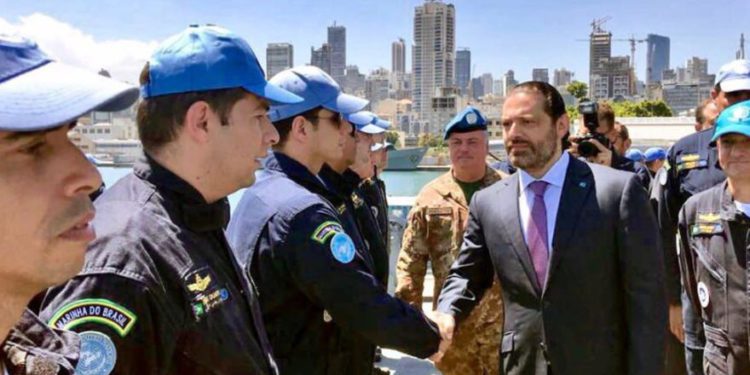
554 105
606 113
159 118
284 126
700 117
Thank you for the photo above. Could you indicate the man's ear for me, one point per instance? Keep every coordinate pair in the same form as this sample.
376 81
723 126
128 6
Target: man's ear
195 125
300 129
563 125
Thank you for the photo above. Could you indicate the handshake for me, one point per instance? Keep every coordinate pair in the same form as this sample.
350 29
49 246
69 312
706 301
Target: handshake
447 324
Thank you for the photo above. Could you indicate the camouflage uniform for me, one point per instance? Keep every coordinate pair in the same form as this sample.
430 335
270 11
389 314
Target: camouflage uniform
434 233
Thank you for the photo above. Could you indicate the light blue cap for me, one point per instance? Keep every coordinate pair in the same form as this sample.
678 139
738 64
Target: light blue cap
37 93
202 58
734 76
635 154
469 119
367 122
733 119
654 153
317 89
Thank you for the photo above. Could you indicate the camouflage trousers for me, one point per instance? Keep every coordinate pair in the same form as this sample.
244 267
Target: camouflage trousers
476 342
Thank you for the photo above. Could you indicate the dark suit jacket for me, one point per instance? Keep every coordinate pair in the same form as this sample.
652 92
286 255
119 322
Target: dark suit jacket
603 308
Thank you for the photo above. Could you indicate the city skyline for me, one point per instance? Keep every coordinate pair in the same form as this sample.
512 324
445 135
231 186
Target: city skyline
372 27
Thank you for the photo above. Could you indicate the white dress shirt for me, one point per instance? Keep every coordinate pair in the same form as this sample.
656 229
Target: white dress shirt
555 177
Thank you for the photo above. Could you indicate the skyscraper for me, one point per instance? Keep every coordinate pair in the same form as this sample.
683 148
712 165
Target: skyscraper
463 69
697 70
321 57
562 77
540 74
657 57
337 43
433 55
398 56
279 56
600 51
486 84
509 81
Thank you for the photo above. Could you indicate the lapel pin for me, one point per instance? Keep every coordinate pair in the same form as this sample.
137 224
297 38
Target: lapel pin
582 184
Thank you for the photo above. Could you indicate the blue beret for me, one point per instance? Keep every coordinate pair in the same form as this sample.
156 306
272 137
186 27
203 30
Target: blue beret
469 119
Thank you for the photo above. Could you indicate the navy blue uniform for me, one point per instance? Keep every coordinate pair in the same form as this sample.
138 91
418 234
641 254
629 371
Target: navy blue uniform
323 308
357 218
693 168
373 190
159 292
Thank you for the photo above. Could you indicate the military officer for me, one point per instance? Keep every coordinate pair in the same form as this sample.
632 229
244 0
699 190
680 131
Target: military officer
159 292
45 181
693 167
323 307
714 229
434 234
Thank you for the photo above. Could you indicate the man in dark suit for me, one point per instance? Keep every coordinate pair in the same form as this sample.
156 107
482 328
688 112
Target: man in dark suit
575 247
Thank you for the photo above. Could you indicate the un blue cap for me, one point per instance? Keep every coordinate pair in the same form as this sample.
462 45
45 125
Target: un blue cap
317 89
367 122
38 93
635 154
469 119
202 58
733 119
654 153
734 76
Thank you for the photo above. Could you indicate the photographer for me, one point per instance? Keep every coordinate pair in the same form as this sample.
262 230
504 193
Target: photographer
598 139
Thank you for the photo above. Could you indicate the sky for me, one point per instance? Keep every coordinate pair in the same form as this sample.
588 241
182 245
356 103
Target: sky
501 34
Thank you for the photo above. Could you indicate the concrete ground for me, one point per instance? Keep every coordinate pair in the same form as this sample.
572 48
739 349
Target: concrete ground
402 364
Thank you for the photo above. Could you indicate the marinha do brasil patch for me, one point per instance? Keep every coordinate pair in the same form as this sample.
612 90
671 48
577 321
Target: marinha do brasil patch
94 310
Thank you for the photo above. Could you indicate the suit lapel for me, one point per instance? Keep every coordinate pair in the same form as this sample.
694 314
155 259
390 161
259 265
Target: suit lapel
579 182
509 220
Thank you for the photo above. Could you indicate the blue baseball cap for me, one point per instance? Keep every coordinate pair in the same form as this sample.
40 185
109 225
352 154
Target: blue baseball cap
733 119
635 154
366 122
202 58
38 93
734 76
654 153
317 89
469 119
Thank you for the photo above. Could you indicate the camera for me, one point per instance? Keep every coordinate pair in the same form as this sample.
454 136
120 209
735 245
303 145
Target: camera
590 112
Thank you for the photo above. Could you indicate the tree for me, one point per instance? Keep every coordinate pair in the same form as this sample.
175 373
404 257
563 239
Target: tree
392 137
572 112
430 140
646 108
577 89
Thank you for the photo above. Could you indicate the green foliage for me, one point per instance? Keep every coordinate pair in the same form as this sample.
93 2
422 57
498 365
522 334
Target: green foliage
430 140
392 137
572 112
578 89
646 108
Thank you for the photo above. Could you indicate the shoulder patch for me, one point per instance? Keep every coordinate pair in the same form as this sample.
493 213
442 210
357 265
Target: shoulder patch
325 231
439 211
342 247
98 354
94 310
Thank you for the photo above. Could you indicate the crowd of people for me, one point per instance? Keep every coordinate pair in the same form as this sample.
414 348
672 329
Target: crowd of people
579 255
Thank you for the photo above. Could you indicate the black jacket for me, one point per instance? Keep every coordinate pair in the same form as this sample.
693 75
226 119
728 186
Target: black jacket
34 348
323 308
159 292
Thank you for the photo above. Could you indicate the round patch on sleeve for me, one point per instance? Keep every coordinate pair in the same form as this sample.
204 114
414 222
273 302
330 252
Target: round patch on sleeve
98 354
342 247
703 294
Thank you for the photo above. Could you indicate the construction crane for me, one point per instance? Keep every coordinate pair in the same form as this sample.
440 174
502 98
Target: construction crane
596 24
632 41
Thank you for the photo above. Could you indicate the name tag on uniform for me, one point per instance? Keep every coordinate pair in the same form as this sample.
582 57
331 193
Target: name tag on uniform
439 211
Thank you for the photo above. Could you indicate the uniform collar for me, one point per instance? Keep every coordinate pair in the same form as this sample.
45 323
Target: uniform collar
281 163
32 340
729 211
198 215
448 187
